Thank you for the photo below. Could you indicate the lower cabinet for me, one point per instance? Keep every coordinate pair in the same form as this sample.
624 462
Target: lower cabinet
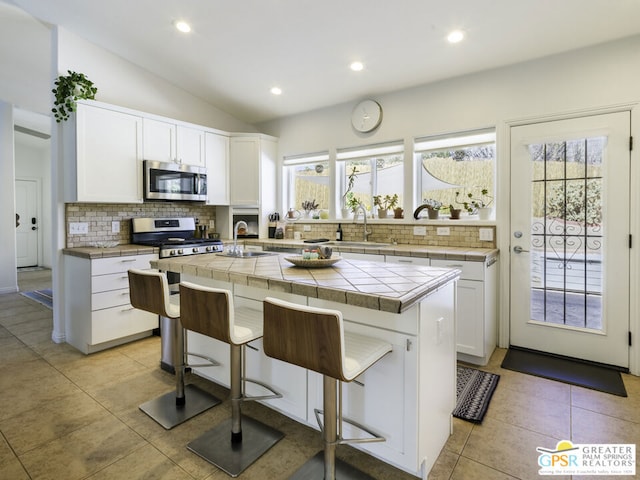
476 303
98 312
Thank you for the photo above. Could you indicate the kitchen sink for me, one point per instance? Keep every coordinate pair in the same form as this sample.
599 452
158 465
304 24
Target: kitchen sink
245 254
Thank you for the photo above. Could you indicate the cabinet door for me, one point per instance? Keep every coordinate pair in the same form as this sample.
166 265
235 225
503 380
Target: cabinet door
190 146
371 257
109 166
216 151
470 316
244 171
159 140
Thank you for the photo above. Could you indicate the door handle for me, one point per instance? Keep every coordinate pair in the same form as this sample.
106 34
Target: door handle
519 249
34 228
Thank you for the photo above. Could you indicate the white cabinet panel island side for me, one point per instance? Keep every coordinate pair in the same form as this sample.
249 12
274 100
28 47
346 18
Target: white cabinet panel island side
407 396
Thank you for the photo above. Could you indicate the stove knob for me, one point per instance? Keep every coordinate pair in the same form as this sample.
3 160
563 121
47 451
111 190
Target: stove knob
180 251
172 252
209 248
195 250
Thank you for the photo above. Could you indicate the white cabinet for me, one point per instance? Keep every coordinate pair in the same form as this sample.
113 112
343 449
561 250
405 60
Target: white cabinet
172 142
476 309
216 150
103 156
371 257
98 311
252 170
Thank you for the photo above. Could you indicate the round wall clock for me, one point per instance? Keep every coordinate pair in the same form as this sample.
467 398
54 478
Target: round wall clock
366 116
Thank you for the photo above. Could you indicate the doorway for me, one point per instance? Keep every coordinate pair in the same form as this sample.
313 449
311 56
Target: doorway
570 237
27 217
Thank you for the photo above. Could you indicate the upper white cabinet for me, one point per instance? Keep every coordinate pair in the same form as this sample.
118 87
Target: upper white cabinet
252 166
171 142
216 150
103 156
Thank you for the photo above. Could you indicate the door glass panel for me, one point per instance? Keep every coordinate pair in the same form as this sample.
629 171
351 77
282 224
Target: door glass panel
566 233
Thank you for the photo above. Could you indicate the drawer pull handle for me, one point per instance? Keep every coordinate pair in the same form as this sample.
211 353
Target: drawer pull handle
128 261
404 261
453 265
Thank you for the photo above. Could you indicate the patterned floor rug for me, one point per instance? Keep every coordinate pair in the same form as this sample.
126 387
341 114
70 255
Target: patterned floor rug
474 390
44 297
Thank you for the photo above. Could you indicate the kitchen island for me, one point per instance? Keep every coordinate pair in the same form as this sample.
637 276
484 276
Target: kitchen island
408 396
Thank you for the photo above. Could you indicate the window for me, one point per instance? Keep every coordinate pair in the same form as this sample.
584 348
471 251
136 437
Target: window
375 170
462 163
308 177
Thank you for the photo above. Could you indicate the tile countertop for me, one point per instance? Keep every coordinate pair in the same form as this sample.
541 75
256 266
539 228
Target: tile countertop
117 251
409 250
388 287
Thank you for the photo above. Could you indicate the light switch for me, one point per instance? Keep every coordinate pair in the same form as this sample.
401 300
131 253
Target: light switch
78 228
306 228
115 226
486 234
443 231
419 230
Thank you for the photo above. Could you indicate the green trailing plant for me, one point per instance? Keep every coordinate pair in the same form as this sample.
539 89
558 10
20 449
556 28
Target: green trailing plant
471 203
309 205
433 204
69 89
351 180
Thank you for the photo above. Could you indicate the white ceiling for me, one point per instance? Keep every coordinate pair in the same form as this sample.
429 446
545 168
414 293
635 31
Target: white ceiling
239 49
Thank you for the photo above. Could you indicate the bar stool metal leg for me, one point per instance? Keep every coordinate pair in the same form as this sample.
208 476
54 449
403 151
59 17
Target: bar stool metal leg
236 443
325 465
174 408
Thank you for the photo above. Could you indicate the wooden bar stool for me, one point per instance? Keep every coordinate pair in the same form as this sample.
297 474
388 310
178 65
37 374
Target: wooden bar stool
314 338
236 443
149 291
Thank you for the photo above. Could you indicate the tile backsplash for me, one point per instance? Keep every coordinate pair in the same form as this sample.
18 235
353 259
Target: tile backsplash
402 233
100 216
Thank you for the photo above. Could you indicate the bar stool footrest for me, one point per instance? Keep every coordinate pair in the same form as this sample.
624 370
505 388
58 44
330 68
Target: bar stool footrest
164 410
314 470
216 447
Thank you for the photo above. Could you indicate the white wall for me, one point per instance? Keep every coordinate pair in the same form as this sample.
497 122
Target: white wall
123 83
8 265
589 78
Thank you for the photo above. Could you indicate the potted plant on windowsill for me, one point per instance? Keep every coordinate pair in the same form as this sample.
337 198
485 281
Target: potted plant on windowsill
351 204
69 89
479 204
454 213
309 206
433 208
384 204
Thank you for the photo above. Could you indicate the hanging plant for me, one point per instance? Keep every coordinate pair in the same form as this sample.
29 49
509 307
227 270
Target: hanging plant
69 89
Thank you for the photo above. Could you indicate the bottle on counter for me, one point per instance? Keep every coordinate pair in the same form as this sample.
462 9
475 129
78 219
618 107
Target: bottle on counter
339 232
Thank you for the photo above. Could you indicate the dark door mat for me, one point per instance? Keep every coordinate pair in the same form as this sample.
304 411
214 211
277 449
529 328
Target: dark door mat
564 369
474 389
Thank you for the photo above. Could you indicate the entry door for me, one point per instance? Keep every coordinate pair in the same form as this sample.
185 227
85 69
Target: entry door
27 218
570 237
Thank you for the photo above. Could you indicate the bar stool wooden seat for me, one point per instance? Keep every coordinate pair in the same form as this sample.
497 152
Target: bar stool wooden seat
236 443
149 291
314 338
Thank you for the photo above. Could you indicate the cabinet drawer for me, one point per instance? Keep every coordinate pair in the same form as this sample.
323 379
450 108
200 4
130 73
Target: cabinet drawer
104 266
113 298
407 260
470 270
118 322
105 283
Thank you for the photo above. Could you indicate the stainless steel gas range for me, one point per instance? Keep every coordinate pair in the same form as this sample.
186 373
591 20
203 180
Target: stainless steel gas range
174 237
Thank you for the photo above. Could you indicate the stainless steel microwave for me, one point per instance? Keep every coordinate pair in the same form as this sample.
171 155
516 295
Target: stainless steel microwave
174 181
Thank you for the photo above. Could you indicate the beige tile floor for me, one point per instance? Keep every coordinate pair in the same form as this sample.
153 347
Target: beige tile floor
64 415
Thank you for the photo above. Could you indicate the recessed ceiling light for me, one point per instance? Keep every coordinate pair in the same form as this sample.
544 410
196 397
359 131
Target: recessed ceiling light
184 27
356 66
455 36
276 90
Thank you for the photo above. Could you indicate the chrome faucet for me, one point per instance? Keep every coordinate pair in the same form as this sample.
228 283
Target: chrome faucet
364 216
236 227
